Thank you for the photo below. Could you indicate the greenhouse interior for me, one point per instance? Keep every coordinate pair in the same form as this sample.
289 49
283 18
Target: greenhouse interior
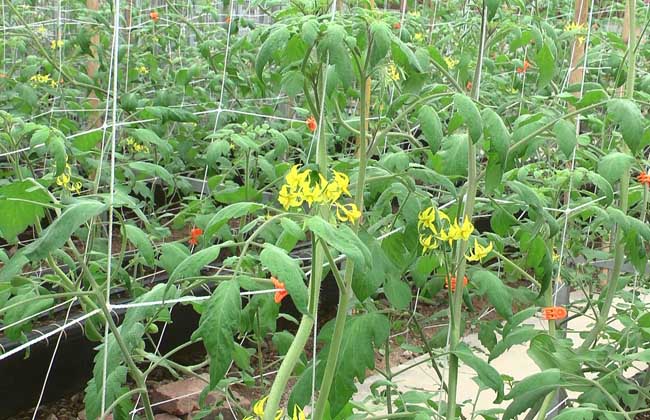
325 209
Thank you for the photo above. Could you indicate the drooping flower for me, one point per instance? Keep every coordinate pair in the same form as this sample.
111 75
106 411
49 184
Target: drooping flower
393 73
194 236
479 251
451 62
56 43
65 180
289 197
311 123
154 16
428 243
280 294
554 312
458 232
453 283
295 178
426 218
347 212
298 414
523 68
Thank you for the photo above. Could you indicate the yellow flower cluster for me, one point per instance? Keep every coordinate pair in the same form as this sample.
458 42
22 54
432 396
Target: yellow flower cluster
446 231
451 62
42 79
56 43
576 27
142 70
65 180
393 73
299 189
136 147
258 410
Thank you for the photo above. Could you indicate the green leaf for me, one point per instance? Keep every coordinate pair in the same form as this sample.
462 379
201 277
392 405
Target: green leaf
233 211
56 146
546 64
192 265
604 187
276 41
530 383
113 389
398 292
56 235
366 282
497 293
21 312
381 37
342 238
333 43
565 134
612 166
520 335
171 255
576 413
217 326
159 293
17 215
148 137
154 171
452 158
469 112
431 127
404 55
486 373
286 270
630 120
497 133
140 239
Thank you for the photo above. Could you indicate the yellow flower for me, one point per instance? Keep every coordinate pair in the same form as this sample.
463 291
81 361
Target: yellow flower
343 181
581 39
312 195
298 414
426 218
458 232
414 14
142 70
428 243
41 30
258 409
419 37
393 73
451 62
54 44
479 251
294 178
62 179
574 26
289 197
348 213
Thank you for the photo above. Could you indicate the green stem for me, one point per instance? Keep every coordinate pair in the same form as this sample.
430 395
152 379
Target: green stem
456 308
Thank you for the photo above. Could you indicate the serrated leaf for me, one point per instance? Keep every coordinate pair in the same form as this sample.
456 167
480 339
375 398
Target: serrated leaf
520 335
113 389
144 135
530 383
604 187
366 282
56 147
497 292
565 134
497 134
287 270
472 118
56 235
546 64
217 326
19 313
630 120
486 373
18 215
140 239
154 171
431 127
453 155
232 211
276 41
381 37
341 238
192 265
398 292
612 166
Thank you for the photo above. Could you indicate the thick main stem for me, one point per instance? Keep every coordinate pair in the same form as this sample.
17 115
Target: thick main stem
346 292
470 198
